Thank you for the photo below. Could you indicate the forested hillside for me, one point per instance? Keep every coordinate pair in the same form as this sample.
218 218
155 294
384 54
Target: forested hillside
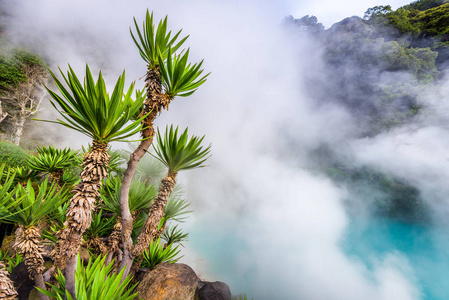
379 68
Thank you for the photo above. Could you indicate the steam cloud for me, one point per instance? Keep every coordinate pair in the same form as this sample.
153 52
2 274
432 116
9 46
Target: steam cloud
263 222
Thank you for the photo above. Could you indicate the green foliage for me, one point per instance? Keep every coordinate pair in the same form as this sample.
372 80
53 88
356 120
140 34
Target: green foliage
90 110
12 155
93 282
173 235
418 61
140 195
9 200
377 11
181 153
154 44
24 173
178 77
51 160
157 254
10 261
424 4
176 209
12 62
100 225
35 208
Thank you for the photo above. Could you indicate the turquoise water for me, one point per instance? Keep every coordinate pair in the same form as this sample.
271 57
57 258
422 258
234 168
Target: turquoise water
425 247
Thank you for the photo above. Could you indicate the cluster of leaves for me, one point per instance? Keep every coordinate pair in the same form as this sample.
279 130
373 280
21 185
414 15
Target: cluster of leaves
10 261
94 281
158 253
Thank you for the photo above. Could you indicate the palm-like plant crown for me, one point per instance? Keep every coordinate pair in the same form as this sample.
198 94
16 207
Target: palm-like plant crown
35 208
152 44
178 77
180 153
51 160
89 109
8 200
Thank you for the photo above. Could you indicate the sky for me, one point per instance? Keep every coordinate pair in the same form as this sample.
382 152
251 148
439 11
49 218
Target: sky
263 222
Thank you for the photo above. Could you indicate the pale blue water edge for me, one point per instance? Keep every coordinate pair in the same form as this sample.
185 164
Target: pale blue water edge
424 247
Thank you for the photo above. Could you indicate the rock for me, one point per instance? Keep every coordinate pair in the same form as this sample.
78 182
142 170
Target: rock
213 291
22 281
168 282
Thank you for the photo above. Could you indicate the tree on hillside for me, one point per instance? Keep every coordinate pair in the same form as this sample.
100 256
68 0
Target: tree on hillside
21 91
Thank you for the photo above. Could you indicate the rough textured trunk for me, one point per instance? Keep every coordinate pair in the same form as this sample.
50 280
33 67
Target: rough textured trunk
114 241
151 227
31 248
7 290
79 215
152 106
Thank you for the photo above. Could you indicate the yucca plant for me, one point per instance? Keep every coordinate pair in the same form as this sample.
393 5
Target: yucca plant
8 198
93 282
179 78
25 173
29 214
157 253
53 161
173 235
176 209
152 42
177 153
88 108
115 161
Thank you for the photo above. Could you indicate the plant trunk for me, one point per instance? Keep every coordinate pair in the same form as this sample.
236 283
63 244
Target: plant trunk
70 275
114 241
18 132
31 248
151 108
79 214
7 290
151 227
39 281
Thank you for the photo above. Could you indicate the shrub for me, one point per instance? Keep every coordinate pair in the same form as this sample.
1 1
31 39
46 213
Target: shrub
12 155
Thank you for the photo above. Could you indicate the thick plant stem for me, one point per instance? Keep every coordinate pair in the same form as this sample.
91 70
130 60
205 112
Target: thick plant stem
79 214
152 225
70 275
39 281
29 244
151 108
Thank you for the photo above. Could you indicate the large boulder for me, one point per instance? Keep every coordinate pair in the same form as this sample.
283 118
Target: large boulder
213 291
168 282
